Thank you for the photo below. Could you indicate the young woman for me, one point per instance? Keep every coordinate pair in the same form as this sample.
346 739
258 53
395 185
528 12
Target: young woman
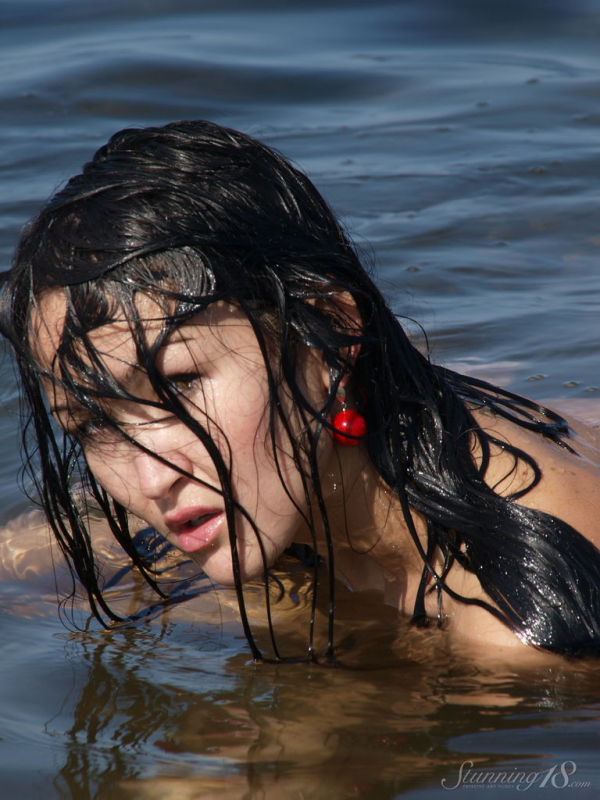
221 366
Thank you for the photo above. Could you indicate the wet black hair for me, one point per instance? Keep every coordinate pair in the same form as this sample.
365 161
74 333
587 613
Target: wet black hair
194 213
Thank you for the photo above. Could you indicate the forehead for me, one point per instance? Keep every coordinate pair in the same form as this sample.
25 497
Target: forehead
49 319
114 342
47 324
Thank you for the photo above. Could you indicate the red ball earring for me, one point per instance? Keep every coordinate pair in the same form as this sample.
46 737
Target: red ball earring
349 427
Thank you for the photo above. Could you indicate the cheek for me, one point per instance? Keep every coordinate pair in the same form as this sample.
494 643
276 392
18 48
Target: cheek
270 467
113 474
241 411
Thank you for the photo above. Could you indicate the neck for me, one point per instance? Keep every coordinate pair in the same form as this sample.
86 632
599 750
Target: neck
373 548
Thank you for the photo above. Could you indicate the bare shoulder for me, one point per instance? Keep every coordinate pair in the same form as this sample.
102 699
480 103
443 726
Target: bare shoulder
569 485
28 551
569 489
475 634
26 548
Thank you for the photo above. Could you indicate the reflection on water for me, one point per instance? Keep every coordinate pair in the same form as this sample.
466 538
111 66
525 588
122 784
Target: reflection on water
193 722
173 707
459 142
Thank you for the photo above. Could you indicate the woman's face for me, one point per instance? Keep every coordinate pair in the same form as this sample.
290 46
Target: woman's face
215 363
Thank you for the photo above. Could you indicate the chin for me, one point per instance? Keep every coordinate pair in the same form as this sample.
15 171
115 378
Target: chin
223 573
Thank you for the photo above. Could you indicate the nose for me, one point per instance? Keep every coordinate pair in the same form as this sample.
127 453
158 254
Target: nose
155 477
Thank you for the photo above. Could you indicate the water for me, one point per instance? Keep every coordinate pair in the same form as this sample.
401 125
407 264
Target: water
458 140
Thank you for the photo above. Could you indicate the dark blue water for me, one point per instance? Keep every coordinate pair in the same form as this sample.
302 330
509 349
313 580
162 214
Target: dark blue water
459 141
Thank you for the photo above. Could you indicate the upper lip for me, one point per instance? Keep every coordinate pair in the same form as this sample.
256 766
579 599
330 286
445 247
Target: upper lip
177 520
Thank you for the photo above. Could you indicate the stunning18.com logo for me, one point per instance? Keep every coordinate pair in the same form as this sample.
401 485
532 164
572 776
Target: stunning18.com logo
558 776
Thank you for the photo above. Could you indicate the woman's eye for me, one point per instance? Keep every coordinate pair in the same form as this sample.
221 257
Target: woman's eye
184 380
95 430
91 427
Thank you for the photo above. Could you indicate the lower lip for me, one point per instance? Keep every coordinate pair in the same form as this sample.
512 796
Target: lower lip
201 537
